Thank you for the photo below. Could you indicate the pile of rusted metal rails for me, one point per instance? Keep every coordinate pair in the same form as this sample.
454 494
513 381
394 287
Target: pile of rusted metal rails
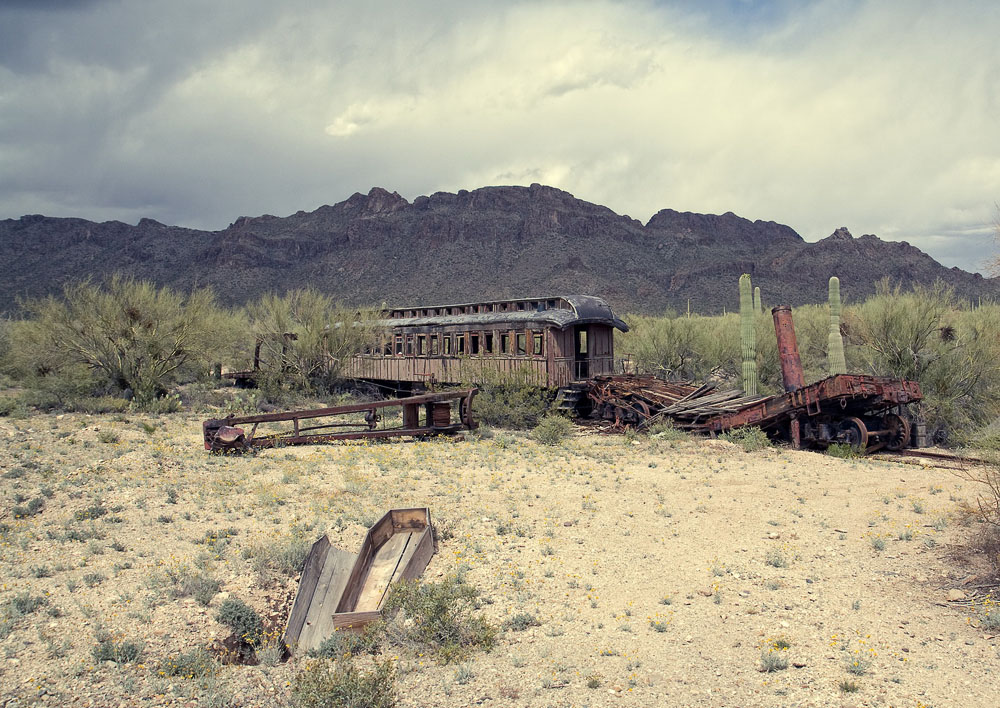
868 413
442 413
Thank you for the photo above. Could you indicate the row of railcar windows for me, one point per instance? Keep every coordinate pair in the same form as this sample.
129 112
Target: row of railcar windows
516 306
509 343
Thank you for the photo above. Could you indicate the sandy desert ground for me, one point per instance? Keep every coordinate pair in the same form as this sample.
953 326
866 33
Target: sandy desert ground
661 572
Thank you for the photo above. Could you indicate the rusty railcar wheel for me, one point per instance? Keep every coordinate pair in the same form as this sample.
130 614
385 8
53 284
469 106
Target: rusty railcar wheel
855 433
897 431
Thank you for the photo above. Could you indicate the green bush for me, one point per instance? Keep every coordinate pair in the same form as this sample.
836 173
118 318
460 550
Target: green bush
552 430
512 400
134 335
118 650
346 642
306 340
749 438
191 664
442 620
520 622
341 684
242 619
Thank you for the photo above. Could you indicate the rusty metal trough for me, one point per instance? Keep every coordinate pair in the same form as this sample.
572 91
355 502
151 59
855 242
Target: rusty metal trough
428 414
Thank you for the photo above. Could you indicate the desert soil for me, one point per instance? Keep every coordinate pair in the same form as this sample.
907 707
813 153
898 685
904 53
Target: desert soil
661 572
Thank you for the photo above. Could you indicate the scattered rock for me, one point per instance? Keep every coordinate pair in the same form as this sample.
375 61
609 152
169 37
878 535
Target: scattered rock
955 595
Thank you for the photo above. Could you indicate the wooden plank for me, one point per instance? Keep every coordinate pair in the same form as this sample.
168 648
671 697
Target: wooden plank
383 569
319 620
312 569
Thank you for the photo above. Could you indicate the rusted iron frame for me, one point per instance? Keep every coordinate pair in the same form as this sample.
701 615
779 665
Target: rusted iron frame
836 396
410 411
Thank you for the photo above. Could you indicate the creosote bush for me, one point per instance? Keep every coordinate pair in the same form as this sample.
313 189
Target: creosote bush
552 430
326 684
750 439
441 619
511 399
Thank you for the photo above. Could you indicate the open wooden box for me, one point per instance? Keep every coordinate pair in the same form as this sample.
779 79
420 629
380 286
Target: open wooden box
340 591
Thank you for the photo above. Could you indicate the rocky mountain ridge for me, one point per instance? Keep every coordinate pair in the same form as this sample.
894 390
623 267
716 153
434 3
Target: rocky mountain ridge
491 242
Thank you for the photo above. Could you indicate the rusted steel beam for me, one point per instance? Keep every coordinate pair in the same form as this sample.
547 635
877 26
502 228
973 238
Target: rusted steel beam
225 434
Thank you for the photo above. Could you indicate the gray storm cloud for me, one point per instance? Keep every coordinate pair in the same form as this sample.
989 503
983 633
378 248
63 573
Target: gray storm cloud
875 115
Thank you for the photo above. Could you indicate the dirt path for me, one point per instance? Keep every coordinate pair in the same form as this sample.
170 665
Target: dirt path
660 572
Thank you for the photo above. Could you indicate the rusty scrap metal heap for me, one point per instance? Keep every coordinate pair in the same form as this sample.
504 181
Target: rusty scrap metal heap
866 412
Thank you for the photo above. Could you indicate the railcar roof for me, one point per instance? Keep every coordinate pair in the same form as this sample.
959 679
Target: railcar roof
585 309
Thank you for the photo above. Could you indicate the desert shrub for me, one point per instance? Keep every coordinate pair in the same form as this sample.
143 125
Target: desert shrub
520 622
552 430
116 649
924 335
283 556
18 607
441 619
346 642
137 336
242 619
773 660
190 664
843 451
203 588
663 429
322 684
8 405
512 399
33 507
749 438
306 340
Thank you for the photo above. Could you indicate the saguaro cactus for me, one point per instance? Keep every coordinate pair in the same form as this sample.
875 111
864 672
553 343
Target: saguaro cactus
835 343
748 337
758 306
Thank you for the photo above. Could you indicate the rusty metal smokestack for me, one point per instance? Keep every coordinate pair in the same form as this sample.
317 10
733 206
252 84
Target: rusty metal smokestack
788 348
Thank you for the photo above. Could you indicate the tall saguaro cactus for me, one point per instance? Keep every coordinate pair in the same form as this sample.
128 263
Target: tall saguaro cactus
748 338
758 306
835 343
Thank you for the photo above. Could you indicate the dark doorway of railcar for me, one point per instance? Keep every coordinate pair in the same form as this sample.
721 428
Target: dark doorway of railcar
580 355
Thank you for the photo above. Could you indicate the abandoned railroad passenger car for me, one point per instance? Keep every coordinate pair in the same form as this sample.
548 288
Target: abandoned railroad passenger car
558 340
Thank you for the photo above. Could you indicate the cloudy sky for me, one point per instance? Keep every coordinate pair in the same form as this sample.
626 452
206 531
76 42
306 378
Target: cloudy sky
880 116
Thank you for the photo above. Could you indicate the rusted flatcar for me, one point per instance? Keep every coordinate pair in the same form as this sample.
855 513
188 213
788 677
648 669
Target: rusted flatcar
558 341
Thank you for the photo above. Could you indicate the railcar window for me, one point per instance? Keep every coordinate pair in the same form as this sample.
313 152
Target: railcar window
522 344
520 306
386 347
446 345
505 343
583 341
409 345
399 346
488 342
474 344
538 347
421 345
435 347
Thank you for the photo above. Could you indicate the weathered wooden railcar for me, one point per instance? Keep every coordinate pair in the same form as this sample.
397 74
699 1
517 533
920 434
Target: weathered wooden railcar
557 341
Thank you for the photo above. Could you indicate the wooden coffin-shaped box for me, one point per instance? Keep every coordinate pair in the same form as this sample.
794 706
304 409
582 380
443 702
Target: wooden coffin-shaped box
339 590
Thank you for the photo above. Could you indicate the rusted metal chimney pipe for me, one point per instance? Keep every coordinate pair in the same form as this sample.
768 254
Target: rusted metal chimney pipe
788 348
